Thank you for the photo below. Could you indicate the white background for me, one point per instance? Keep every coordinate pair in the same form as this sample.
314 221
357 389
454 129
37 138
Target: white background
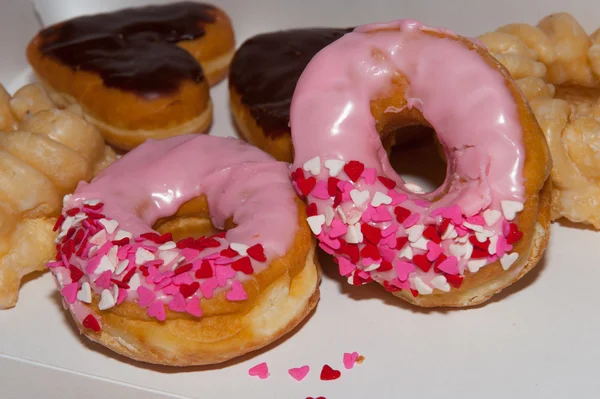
537 339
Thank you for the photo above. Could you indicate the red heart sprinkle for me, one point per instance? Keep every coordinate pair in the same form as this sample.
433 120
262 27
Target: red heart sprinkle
332 186
187 290
414 293
229 253
91 323
431 233
385 266
388 183
243 265
351 250
391 288
514 234
479 253
401 213
444 226
354 169
372 234
205 270
183 268
328 374
337 200
306 185
312 210
454 280
477 244
370 251
298 174
401 242
358 280
76 273
422 262
438 261
257 252
185 243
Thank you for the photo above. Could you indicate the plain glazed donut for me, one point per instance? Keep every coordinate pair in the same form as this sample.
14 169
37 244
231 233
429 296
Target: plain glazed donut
484 228
188 301
155 63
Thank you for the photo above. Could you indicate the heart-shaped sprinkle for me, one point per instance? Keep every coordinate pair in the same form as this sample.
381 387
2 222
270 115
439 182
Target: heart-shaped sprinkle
491 216
104 280
359 197
69 292
193 307
236 293
453 213
380 198
511 208
415 232
370 251
257 252
299 373
354 169
205 270
335 166
338 229
514 234
421 243
381 214
431 233
401 214
411 220
351 250
454 280
345 266
433 251
449 265
223 274
121 266
134 281
369 174
261 371
243 265
388 183
145 296
76 273
85 293
349 359
121 234
321 191
329 214
403 269
333 186
306 185
312 210
386 253
508 259
157 310
142 256
104 265
90 322
440 283
353 234
422 262
328 374
421 287
177 303
313 165
406 252
239 248
187 290
107 301
316 223
476 264
371 233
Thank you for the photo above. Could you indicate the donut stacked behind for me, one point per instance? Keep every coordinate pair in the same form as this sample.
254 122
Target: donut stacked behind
138 73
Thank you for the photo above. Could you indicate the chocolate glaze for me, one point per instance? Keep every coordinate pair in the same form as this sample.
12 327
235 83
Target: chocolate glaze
266 68
132 49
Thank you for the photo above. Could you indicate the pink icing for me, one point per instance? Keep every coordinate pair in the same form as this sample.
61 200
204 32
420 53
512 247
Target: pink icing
106 235
463 98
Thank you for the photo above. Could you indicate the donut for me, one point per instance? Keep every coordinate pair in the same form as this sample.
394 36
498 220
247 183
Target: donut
557 65
483 228
44 153
155 62
189 250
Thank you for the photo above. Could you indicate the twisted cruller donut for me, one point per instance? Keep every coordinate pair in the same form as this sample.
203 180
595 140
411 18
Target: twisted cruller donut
557 66
44 153
187 301
484 228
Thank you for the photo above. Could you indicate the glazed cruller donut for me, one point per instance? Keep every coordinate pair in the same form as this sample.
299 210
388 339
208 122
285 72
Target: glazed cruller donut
484 228
187 301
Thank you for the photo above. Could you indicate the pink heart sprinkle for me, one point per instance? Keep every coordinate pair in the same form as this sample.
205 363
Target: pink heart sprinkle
189 254
389 241
505 227
476 219
346 267
157 309
350 360
397 198
171 290
434 251
449 265
299 373
183 278
122 252
411 220
122 296
345 188
92 264
208 287
104 280
367 215
369 174
387 253
405 285
335 244
320 191
338 229
454 213
403 269
193 307
502 246
177 303
368 261
326 248
145 296
224 273
363 274
69 292
389 230
460 231
260 370
236 293
382 214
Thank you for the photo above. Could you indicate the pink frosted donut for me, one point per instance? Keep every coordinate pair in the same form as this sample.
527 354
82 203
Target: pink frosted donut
484 228
195 300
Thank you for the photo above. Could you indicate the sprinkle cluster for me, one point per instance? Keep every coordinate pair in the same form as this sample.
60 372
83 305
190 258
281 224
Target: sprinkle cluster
96 257
377 232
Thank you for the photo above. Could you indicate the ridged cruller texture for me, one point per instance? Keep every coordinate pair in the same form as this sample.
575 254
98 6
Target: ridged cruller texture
557 66
44 152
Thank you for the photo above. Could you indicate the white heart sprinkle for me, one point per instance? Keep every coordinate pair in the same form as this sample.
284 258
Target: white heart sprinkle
316 223
104 265
168 256
123 234
329 214
354 216
482 236
106 300
372 267
468 250
414 188
508 259
423 288
450 233
493 245
462 239
353 234
239 248
474 227
335 166
121 266
142 256
113 255
415 232
134 282
440 283
457 250
99 238
421 243
342 214
406 252
109 225
491 216
313 165
380 198
359 197
85 293
115 292
476 264
92 202
167 246
511 208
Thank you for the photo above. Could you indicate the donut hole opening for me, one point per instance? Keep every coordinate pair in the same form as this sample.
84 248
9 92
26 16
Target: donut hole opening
192 219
